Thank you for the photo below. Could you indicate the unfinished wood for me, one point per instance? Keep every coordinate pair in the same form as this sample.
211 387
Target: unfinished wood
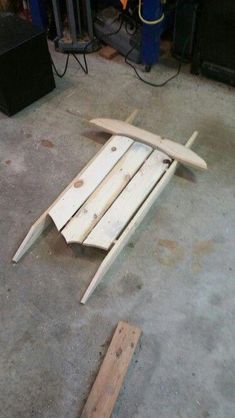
82 188
108 52
128 202
94 208
133 225
173 149
44 220
105 390
35 231
131 118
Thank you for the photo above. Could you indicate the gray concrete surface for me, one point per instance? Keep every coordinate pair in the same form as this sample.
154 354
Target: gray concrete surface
175 279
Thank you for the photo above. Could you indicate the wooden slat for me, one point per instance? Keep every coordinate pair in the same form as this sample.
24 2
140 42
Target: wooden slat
105 390
133 225
171 148
94 208
124 207
71 201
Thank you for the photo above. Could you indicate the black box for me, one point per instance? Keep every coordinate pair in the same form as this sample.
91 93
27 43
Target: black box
184 28
214 52
25 67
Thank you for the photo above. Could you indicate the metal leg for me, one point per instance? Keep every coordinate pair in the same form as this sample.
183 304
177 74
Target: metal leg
89 19
79 18
58 20
71 20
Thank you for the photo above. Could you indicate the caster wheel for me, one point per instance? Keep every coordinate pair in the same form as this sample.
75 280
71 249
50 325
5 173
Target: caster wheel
148 68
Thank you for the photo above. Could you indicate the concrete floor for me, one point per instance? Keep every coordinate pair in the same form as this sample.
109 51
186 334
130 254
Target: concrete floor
175 279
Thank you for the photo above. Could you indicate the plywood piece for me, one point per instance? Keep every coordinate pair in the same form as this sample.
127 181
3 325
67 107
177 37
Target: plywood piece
171 148
128 202
105 390
133 225
98 203
44 220
82 188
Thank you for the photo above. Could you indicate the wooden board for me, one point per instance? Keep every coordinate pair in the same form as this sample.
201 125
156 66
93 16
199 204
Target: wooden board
94 208
128 202
171 148
44 220
108 52
133 225
78 193
105 390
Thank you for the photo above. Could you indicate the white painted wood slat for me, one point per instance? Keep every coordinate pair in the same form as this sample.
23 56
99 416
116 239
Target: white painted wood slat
127 203
93 209
82 188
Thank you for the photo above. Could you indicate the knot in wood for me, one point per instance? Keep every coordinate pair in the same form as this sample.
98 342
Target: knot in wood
78 183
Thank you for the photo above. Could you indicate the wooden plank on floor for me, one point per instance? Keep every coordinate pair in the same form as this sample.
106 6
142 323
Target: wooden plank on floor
82 188
94 208
105 390
128 202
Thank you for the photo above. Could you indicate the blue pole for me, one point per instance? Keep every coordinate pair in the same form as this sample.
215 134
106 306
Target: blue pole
38 13
150 36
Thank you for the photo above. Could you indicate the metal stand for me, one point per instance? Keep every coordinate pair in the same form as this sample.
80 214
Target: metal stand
77 11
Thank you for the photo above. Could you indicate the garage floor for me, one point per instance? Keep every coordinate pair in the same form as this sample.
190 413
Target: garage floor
175 278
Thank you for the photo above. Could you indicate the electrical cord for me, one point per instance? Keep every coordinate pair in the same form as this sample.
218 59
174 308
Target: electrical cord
113 33
65 68
132 29
177 5
158 21
61 75
149 83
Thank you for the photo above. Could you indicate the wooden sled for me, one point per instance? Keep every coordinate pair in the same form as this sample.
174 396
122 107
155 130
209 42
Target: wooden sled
107 200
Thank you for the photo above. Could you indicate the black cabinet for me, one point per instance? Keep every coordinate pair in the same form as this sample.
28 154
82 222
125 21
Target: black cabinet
214 51
25 67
